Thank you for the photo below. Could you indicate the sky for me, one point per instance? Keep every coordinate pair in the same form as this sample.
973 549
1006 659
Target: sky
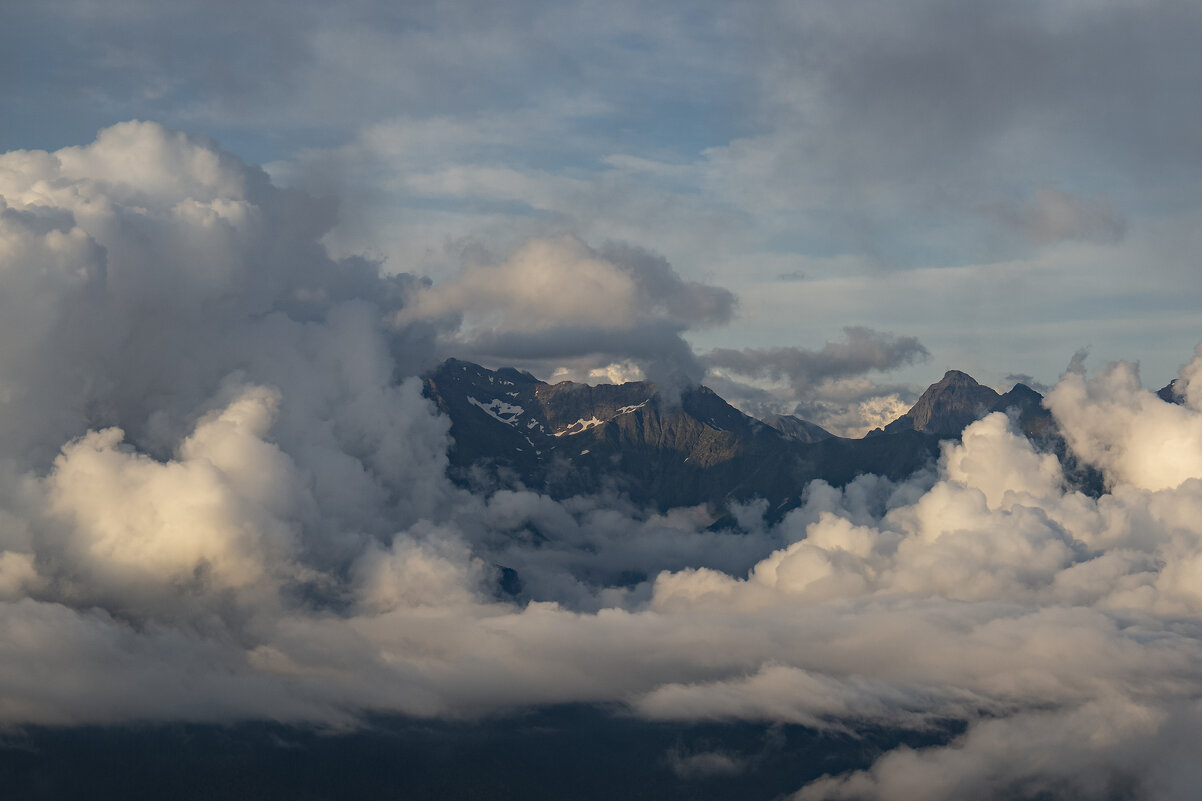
232 238
1005 184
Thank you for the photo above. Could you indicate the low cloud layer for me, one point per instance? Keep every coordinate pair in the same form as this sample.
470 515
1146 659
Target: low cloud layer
222 497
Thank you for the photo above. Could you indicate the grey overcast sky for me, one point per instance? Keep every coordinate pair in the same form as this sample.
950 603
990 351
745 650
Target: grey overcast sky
1006 183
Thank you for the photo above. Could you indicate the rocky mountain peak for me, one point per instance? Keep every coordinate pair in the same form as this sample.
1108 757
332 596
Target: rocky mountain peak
1173 392
947 406
956 378
1021 396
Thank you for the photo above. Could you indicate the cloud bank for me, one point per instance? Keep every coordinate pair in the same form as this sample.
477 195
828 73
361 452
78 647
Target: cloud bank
222 497
828 385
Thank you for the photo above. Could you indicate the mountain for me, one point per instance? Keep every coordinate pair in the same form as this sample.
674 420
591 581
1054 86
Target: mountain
1172 392
956 400
1026 406
947 406
511 429
796 429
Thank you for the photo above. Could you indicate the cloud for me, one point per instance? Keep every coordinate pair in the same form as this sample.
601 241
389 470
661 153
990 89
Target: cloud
223 497
824 385
811 134
150 279
1060 756
1028 380
863 351
705 764
780 693
880 149
557 300
1128 431
848 407
941 91
137 534
1055 216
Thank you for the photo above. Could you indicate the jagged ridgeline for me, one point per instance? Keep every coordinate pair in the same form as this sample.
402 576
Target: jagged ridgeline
511 429
957 400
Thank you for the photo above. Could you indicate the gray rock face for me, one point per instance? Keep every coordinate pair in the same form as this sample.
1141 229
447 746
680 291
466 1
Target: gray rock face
948 406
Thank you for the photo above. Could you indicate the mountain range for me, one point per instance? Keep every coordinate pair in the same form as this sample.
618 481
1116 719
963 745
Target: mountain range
690 447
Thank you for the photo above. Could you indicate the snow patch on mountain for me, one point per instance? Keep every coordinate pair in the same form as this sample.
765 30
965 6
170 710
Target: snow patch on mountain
499 410
581 426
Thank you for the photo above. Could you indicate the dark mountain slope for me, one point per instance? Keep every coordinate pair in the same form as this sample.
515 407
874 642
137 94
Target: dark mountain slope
567 439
